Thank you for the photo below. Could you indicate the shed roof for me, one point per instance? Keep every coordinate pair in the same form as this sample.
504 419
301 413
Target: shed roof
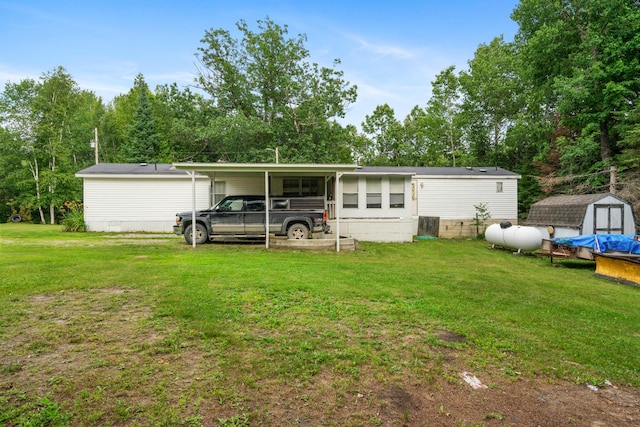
564 210
443 171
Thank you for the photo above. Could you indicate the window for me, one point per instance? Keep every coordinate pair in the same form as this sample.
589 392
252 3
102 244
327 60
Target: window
396 192
374 193
255 205
290 187
498 187
219 191
231 205
350 193
312 186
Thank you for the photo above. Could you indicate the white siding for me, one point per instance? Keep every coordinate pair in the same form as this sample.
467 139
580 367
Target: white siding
627 215
239 184
385 212
140 204
455 197
376 229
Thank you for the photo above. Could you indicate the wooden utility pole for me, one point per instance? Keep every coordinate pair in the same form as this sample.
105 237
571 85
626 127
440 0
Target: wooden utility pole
94 143
613 178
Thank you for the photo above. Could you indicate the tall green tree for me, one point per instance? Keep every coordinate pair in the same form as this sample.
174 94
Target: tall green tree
183 117
443 117
19 187
491 89
584 56
387 135
46 139
143 140
266 81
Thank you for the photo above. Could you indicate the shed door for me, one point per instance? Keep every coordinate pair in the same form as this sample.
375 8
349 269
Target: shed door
608 219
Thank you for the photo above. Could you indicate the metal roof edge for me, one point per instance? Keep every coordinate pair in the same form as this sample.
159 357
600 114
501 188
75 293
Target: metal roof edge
484 176
262 167
138 176
359 173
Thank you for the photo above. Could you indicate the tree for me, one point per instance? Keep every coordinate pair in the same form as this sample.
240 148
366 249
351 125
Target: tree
183 118
387 135
265 80
42 140
491 90
443 113
18 141
584 57
425 139
143 142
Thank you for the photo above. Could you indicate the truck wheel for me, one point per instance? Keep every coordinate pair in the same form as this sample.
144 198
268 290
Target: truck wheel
201 234
298 232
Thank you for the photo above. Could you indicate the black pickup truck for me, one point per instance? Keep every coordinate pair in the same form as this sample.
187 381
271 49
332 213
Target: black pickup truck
243 217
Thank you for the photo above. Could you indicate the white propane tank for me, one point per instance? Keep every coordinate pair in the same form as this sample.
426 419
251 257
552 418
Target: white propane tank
514 236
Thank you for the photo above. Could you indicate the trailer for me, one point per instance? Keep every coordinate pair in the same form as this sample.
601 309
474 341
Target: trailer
617 256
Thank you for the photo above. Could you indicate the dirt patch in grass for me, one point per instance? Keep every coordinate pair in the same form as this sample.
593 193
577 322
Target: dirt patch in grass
106 357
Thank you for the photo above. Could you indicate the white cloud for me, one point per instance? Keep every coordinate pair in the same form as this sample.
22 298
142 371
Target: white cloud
397 52
107 91
180 77
14 77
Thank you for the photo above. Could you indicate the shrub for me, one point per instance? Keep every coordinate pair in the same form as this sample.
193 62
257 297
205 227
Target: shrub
482 215
21 211
73 216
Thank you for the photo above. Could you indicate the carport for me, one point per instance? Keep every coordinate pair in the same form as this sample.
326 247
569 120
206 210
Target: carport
332 174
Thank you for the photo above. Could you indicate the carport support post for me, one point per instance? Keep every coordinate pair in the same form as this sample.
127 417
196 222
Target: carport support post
193 208
266 208
338 198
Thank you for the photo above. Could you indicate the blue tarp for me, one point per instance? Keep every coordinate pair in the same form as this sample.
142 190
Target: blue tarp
603 242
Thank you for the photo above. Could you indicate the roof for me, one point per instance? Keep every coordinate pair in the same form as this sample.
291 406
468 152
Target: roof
127 169
565 210
265 167
442 171
180 169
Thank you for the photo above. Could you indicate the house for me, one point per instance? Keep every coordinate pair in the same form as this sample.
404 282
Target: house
122 197
386 204
445 199
567 216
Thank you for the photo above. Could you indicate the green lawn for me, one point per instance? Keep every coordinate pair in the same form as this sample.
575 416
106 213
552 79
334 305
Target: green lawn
116 317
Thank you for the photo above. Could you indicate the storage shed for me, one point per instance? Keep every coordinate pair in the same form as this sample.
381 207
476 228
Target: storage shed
566 216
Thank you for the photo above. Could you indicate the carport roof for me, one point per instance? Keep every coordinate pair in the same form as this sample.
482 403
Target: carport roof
264 167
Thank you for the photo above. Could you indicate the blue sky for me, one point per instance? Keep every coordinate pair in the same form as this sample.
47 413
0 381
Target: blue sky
390 50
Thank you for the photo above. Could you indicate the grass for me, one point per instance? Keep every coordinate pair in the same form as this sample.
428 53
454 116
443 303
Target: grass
101 329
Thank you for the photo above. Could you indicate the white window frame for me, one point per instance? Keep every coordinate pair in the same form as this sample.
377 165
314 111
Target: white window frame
349 193
396 193
374 193
219 191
